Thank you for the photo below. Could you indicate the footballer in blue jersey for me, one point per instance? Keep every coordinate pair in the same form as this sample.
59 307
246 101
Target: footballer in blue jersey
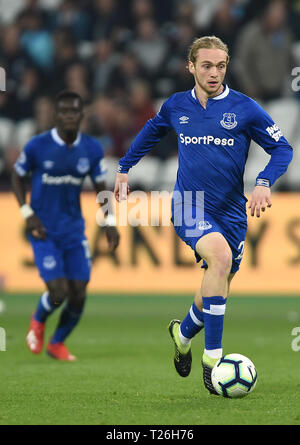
57 162
214 126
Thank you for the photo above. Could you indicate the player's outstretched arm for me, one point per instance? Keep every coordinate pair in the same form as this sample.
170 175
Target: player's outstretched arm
260 199
33 223
121 187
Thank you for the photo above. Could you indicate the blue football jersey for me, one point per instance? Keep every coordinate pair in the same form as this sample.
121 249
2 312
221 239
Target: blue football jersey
213 145
58 172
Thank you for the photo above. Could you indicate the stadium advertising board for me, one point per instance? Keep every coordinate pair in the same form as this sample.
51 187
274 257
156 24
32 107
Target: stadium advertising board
154 259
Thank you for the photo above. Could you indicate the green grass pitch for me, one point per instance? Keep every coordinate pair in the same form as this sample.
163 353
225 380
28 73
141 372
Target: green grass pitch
125 373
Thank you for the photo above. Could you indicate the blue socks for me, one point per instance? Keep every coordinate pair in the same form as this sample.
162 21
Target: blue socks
44 308
192 324
68 320
212 318
214 311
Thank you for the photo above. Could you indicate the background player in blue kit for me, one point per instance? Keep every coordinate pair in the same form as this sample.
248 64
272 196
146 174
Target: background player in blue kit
59 160
214 125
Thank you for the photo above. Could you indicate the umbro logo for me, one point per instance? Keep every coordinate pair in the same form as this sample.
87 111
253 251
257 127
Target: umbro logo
184 120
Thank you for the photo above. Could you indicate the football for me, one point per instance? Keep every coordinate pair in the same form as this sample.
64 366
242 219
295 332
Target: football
234 376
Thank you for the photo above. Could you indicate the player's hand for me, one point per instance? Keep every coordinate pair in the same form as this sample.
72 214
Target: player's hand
35 227
113 237
121 187
260 199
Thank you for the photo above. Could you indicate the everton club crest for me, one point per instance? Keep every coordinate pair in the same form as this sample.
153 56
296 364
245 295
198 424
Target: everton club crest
83 165
229 121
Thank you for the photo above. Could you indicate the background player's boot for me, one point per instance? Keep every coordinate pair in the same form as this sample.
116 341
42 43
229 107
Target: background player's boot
183 354
60 352
35 336
208 363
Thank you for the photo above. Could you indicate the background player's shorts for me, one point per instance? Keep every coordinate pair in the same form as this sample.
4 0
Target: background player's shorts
61 259
234 233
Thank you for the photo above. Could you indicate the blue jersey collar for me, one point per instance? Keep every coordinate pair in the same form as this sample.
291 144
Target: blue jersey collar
60 141
220 96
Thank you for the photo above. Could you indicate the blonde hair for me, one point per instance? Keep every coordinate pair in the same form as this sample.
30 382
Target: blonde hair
206 42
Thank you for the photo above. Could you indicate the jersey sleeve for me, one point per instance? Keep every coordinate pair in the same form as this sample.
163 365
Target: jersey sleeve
98 171
25 162
263 130
153 131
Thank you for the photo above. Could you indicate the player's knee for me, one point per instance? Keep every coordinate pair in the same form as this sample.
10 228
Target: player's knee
221 262
59 292
58 296
217 253
224 263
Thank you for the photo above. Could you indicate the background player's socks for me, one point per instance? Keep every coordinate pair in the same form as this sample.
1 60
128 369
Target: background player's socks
44 308
68 320
191 325
214 311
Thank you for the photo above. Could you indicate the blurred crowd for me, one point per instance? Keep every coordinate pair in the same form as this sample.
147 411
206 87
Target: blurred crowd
124 57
